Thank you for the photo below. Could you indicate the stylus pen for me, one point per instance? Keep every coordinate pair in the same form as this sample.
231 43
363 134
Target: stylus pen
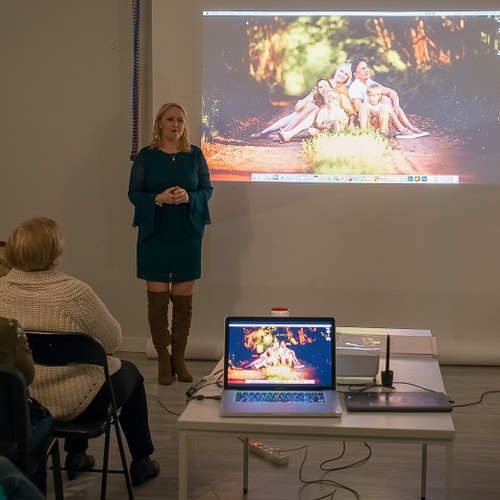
388 353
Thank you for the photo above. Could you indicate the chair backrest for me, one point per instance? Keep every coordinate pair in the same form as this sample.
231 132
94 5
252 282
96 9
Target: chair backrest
15 427
67 348
70 348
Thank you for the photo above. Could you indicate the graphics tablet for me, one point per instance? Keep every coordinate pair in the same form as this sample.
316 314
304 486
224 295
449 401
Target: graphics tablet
398 401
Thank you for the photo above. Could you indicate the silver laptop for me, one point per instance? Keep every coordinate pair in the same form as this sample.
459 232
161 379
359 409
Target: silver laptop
279 366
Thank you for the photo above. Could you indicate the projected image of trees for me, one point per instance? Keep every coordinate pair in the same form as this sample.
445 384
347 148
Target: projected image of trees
266 80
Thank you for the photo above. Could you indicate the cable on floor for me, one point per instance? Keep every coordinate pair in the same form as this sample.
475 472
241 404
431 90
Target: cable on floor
329 482
479 401
348 466
159 401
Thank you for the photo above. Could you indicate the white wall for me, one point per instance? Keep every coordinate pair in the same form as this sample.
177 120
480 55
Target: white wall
383 256
65 105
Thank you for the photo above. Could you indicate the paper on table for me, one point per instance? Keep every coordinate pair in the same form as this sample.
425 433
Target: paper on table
412 345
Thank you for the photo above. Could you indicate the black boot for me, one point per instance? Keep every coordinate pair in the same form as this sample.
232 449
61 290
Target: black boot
142 470
76 463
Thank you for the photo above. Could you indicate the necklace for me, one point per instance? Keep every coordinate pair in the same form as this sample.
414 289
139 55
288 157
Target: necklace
172 155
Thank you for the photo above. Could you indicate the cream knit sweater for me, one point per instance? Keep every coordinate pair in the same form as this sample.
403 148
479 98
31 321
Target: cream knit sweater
53 301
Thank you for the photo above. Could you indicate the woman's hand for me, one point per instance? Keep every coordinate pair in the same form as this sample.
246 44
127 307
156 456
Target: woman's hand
173 196
180 196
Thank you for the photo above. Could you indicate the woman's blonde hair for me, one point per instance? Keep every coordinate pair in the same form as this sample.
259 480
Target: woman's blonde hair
34 245
184 143
346 68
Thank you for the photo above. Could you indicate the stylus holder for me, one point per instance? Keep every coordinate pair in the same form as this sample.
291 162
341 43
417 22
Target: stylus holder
387 378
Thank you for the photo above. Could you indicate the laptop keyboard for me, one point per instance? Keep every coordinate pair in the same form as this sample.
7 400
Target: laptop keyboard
279 397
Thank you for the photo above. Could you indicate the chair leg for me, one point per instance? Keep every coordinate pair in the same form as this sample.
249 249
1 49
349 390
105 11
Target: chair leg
39 478
56 470
126 471
105 463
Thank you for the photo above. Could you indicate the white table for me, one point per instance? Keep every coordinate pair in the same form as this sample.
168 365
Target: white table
201 418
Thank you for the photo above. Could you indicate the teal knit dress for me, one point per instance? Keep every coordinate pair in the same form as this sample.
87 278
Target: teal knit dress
170 237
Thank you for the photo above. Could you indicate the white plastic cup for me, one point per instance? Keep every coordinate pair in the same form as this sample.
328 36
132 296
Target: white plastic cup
280 311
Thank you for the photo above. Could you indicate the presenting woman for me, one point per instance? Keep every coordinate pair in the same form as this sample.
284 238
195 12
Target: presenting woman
170 188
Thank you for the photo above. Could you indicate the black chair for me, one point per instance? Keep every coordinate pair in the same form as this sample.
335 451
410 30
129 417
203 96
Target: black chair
15 432
63 349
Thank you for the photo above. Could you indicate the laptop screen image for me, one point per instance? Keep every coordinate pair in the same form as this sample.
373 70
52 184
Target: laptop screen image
280 352
279 366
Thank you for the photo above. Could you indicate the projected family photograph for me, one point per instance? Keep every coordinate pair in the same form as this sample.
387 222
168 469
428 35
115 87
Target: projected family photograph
351 98
283 354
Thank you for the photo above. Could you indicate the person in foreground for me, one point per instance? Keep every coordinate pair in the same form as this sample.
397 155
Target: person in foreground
170 188
43 299
14 485
14 351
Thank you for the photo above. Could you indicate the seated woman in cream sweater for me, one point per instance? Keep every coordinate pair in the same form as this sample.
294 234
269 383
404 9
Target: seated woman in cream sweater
44 299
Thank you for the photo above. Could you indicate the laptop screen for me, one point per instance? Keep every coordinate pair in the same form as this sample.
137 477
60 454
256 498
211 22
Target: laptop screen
279 353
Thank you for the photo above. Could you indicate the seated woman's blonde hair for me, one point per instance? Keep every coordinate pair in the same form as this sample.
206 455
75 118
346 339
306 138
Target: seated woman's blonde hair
34 245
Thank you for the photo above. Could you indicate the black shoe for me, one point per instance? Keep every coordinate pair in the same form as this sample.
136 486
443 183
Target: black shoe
142 470
78 462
